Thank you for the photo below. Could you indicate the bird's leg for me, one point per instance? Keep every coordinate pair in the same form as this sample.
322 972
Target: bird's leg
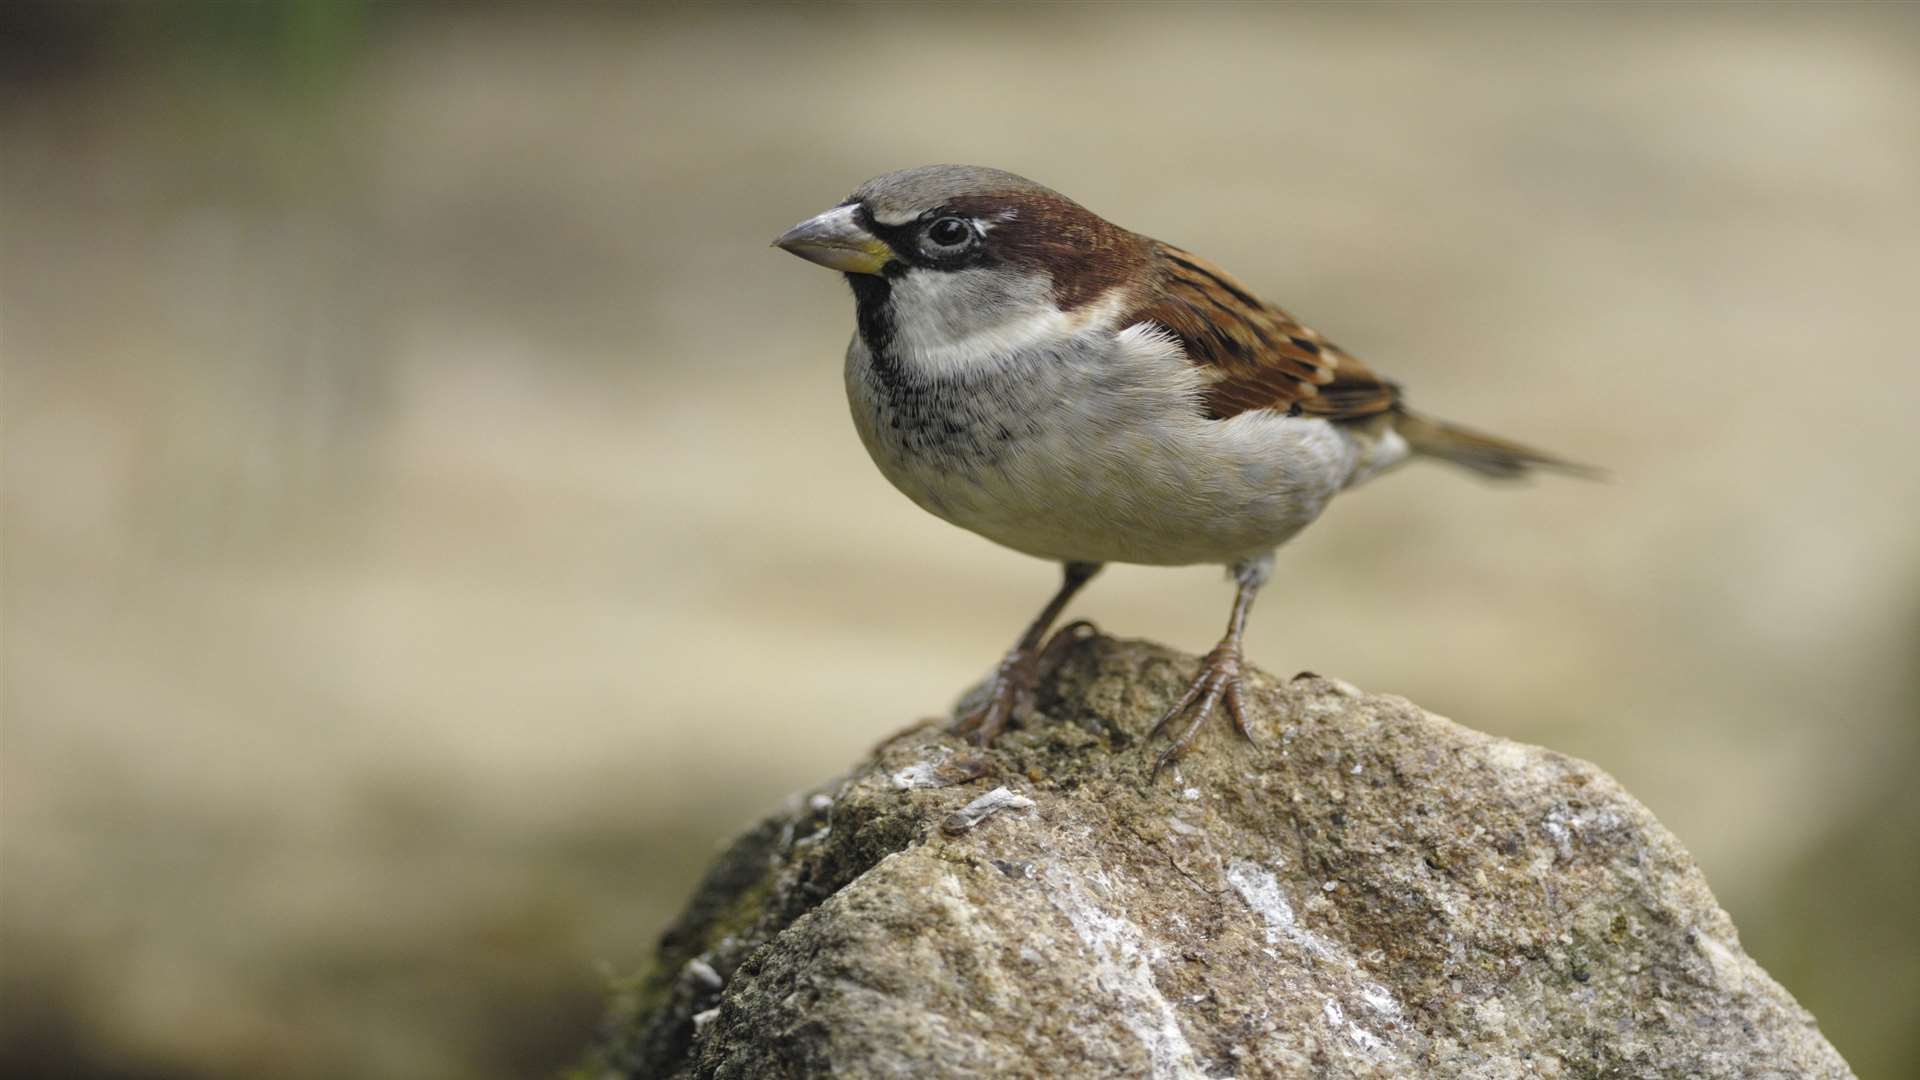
1219 676
1013 681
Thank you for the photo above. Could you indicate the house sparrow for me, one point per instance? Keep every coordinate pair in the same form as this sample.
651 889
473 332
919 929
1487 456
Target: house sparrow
1030 371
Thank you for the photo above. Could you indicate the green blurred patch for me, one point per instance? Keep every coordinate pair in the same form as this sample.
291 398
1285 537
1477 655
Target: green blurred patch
1840 930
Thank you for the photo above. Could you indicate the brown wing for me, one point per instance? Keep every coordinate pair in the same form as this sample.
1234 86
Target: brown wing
1257 356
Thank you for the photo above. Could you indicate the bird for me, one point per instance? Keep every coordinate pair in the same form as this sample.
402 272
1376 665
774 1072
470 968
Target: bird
1027 370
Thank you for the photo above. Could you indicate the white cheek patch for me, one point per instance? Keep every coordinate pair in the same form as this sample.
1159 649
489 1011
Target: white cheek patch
946 322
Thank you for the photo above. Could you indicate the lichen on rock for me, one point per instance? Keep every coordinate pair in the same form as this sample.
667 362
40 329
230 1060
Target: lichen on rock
1371 891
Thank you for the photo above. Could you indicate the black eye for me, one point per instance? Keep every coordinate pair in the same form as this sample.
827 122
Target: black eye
949 233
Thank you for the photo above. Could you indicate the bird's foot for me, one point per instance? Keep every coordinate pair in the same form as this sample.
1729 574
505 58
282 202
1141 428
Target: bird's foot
1218 681
1010 692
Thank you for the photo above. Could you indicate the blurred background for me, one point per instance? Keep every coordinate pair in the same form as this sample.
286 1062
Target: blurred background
432 523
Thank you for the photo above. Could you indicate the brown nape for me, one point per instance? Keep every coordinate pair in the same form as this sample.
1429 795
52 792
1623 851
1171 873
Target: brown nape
1259 356
1086 255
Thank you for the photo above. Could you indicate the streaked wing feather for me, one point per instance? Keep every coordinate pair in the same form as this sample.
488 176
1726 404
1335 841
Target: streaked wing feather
1256 355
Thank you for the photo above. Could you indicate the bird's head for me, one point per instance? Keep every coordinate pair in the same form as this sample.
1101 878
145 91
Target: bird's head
953 265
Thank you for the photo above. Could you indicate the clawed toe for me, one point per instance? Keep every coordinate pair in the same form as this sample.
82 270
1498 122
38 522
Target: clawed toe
1218 681
1010 692
1056 649
1237 710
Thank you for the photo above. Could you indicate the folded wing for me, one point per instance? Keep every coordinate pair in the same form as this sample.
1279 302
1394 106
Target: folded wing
1255 355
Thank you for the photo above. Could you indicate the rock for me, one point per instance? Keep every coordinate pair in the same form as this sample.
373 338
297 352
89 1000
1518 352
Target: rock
1372 891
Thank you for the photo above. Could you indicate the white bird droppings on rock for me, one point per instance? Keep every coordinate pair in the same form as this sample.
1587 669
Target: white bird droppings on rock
920 774
1183 828
1380 1001
983 808
702 972
1122 973
1261 891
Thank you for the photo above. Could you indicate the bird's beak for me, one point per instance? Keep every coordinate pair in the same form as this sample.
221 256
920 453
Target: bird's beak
836 241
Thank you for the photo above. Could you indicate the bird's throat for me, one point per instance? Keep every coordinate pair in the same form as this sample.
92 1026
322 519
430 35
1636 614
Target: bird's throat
873 315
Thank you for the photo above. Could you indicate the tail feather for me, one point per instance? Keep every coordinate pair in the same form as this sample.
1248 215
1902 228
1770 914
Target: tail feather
1487 455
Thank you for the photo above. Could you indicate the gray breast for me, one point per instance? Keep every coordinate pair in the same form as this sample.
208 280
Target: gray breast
1094 448
965 422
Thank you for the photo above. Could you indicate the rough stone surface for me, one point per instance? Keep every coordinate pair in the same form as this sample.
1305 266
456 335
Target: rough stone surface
1372 891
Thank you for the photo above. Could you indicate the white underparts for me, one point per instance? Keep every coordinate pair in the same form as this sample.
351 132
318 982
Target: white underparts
1054 434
